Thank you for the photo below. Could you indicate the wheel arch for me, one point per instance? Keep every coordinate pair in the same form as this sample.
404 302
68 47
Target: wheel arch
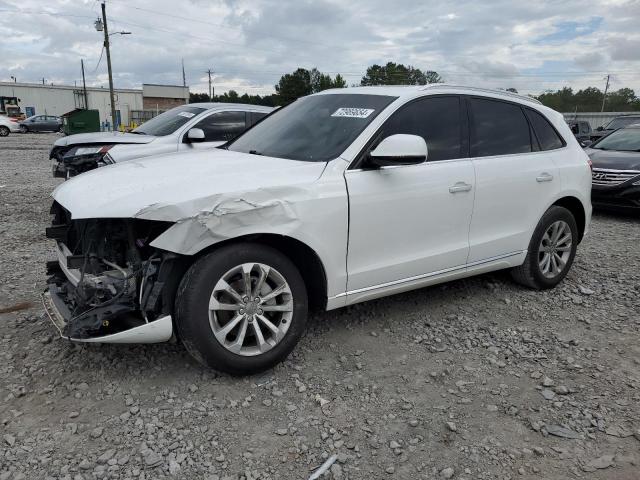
306 260
575 206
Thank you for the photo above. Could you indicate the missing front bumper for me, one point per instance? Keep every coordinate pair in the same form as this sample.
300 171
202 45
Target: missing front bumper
157 331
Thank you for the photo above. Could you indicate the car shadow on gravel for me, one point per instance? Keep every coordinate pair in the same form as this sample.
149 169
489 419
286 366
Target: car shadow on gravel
613 214
173 363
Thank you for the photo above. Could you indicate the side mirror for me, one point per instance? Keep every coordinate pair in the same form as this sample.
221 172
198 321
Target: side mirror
195 135
585 143
600 128
399 149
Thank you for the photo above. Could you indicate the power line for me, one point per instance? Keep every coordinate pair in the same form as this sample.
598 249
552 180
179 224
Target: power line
219 25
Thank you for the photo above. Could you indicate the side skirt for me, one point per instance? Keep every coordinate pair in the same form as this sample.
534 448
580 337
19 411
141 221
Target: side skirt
399 286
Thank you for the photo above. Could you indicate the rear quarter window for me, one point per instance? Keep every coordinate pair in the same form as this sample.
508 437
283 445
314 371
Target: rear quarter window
547 136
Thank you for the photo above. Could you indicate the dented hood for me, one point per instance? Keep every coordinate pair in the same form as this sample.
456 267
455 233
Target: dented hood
177 186
103 138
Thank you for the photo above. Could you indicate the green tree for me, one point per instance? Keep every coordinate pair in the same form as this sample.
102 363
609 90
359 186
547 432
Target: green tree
398 74
198 97
305 82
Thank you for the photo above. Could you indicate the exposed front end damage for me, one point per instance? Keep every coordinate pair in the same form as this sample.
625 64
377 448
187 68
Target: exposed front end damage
108 284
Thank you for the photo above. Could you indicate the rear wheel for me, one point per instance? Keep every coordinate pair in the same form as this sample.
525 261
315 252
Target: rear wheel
551 251
4 131
241 309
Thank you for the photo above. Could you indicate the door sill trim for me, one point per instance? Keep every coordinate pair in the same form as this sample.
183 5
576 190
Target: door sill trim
428 275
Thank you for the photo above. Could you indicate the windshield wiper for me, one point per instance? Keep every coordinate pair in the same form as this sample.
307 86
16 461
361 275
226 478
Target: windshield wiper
137 133
255 152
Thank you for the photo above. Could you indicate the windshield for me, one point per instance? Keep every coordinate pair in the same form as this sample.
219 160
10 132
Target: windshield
621 122
168 122
314 129
627 139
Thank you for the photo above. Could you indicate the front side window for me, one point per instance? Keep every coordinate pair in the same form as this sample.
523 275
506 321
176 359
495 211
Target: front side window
168 122
222 126
498 128
547 136
436 119
627 140
317 128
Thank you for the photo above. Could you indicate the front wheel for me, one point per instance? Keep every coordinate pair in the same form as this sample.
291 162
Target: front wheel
4 131
23 129
241 309
551 251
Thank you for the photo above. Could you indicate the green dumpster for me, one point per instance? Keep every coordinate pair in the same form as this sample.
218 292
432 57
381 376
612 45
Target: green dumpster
81 121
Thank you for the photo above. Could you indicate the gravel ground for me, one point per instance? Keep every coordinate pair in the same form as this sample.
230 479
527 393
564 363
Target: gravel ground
476 378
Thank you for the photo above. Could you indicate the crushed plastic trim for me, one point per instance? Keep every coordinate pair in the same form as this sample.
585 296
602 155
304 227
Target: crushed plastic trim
158 331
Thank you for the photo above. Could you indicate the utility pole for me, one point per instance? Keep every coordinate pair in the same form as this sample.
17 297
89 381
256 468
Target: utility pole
184 76
84 87
211 91
606 89
106 46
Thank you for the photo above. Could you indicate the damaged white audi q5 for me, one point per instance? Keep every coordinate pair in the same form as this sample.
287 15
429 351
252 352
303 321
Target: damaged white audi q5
340 197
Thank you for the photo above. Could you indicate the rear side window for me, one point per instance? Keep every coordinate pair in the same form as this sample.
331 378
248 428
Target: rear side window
547 136
436 119
223 126
256 117
498 128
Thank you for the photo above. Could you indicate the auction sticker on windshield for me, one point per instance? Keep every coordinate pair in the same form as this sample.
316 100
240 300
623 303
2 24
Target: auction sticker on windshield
353 112
187 114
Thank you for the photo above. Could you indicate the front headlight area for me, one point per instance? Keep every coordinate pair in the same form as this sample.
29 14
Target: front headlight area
79 159
107 278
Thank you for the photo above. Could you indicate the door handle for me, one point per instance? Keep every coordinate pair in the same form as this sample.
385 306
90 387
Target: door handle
544 177
459 187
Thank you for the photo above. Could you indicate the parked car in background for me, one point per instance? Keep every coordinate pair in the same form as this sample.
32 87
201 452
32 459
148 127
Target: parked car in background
8 125
581 129
186 128
341 197
616 169
615 124
41 123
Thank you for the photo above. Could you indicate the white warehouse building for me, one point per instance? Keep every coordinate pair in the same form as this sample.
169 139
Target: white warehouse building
39 99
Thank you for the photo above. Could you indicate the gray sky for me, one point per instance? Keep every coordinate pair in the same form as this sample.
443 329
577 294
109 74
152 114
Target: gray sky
529 45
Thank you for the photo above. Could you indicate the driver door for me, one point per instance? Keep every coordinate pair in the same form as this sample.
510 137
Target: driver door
413 221
218 129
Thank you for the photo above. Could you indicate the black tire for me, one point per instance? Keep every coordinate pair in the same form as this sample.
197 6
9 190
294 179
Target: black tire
23 129
192 308
4 131
530 273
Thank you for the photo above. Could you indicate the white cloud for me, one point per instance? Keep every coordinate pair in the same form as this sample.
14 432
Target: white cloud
250 43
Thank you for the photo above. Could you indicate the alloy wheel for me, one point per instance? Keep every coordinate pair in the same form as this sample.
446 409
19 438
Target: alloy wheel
250 309
555 249
4 131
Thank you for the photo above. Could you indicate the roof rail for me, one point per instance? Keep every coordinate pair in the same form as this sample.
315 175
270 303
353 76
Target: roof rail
484 90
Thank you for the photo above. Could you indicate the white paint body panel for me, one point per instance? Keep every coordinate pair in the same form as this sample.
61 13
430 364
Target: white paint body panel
406 228
13 127
406 222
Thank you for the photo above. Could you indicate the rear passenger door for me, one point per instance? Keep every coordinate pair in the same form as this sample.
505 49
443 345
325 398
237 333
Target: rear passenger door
512 149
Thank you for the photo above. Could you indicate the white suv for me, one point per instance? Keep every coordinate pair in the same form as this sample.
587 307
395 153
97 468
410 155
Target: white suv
341 197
